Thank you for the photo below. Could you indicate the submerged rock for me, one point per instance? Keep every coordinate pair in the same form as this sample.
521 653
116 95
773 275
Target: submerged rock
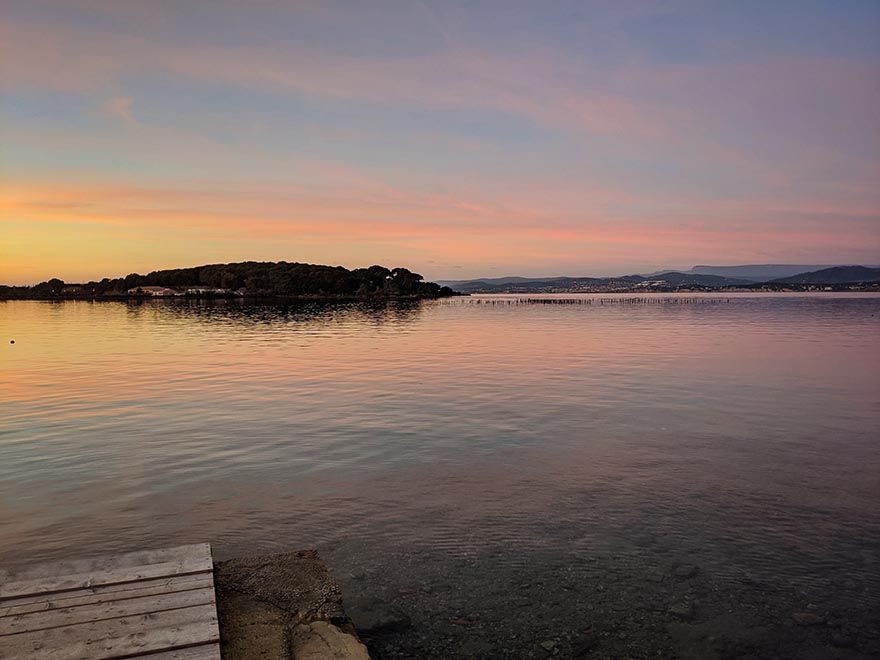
807 619
584 645
686 571
372 615
476 648
842 640
282 607
320 640
297 583
683 610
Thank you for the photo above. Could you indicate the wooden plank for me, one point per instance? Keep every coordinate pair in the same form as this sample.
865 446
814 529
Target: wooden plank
68 616
99 577
202 652
104 594
107 562
115 638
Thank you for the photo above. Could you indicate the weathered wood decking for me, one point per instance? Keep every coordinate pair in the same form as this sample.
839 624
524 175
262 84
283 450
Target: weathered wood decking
156 604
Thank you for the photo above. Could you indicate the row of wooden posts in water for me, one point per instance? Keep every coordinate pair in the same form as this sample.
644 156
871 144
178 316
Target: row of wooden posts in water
597 301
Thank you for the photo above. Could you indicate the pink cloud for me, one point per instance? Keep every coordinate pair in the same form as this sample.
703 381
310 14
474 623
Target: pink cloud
119 107
683 110
795 192
81 59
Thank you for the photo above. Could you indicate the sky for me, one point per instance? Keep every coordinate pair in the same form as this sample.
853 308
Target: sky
455 138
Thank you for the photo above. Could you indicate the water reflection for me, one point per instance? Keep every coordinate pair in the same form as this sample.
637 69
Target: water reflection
469 447
242 312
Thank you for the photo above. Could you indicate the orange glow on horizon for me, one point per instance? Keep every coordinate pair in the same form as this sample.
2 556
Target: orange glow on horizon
88 231
431 139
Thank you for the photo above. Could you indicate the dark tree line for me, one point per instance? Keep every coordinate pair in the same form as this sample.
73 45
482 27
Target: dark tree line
254 278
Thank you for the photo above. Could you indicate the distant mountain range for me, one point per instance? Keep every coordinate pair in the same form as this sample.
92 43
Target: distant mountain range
699 277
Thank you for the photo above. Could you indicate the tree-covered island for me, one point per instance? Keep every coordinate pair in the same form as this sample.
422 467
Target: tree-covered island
246 279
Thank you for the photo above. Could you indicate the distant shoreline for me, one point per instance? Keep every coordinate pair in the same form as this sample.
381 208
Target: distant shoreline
864 287
122 297
382 298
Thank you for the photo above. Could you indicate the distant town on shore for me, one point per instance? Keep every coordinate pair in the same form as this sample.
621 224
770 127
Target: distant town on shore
297 280
762 277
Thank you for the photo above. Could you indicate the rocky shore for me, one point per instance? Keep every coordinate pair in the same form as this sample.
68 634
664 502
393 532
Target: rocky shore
283 607
503 604
288 607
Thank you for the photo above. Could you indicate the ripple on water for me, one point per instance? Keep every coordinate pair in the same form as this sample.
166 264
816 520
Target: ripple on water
741 435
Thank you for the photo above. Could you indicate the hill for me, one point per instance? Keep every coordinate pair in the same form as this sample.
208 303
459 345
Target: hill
495 281
663 281
676 278
250 278
834 275
698 277
757 272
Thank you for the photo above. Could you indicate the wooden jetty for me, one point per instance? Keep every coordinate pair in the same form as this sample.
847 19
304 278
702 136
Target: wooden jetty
156 604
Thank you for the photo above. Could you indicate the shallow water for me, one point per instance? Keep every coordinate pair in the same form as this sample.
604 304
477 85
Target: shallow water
460 440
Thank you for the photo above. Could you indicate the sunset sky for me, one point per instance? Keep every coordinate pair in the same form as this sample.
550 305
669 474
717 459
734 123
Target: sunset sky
455 138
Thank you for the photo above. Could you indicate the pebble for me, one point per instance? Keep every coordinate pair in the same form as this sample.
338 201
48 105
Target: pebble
683 611
373 615
807 619
475 647
468 620
842 641
584 645
548 645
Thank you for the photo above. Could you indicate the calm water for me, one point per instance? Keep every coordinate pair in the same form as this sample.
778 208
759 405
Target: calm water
443 442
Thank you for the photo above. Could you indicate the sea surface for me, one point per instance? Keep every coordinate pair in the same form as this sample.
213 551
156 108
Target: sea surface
606 476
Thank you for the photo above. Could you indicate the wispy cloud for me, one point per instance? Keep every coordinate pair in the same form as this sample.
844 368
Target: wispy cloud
427 130
120 108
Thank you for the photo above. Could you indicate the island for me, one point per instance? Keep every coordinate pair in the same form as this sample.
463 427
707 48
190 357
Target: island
245 279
